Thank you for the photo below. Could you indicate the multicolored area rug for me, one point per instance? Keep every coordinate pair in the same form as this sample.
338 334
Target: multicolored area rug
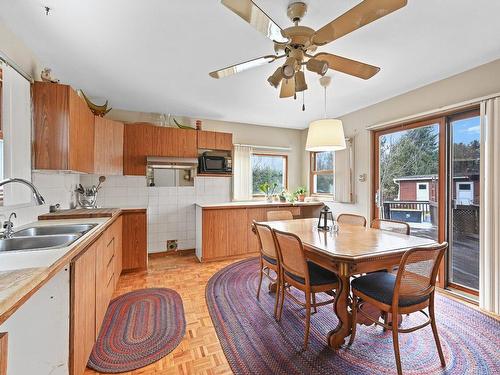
254 343
139 328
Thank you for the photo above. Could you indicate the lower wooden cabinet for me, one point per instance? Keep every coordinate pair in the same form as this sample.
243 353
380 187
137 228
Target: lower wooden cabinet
135 241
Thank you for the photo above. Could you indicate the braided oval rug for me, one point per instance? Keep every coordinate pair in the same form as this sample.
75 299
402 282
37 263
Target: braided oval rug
139 328
254 343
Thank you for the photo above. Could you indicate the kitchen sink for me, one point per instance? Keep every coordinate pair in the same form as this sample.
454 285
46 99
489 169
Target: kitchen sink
54 230
38 242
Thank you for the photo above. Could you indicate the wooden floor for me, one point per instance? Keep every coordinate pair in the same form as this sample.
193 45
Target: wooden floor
200 351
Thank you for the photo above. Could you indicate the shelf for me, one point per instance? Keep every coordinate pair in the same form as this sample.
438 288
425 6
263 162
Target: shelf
214 175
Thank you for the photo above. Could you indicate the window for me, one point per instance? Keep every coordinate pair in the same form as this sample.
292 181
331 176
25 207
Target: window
269 168
322 179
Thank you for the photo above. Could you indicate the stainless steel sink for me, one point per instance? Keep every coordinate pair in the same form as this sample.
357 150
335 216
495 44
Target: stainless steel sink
54 230
38 242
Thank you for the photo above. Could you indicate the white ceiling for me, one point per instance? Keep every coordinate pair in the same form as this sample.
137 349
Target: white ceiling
154 56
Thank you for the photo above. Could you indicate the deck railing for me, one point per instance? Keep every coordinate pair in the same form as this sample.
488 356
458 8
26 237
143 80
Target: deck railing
424 208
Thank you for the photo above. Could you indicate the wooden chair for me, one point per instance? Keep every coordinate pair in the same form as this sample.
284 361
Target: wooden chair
351 219
269 259
410 290
391 225
279 215
304 275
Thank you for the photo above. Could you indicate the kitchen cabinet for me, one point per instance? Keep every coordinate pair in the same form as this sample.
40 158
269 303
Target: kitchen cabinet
117 230
210 140
206 140
135 255
63 129
83 309
3 352
104 284
223 141
108 147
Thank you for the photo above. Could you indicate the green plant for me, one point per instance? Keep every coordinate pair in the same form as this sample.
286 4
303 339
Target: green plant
267 188
301 190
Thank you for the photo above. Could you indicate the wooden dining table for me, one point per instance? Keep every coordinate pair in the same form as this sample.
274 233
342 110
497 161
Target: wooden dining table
351 251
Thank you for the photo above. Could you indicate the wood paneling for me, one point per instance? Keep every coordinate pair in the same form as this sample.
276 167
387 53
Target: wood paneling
135 255
223 141
187 143
257 214
206 139
83 304
3 353
108 147
237 231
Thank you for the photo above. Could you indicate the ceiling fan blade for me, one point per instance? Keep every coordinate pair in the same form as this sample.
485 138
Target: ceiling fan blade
287 88
256 17
348 66
359 16
233 69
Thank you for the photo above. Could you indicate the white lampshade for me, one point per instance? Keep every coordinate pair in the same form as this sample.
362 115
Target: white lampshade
325 135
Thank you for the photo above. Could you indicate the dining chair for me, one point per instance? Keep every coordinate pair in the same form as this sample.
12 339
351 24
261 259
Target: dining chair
306 276
269 259
279 215
351 219
411 290
391 225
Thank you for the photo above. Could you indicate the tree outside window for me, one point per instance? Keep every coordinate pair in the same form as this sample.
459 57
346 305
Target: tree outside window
271 169
322 172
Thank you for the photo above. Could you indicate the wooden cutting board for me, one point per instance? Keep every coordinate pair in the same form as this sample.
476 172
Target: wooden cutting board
80 213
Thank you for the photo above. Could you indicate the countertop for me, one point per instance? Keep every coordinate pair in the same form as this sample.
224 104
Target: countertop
243 204
85 213
24 272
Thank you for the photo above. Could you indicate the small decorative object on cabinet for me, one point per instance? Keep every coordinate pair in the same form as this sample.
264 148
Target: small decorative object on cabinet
268 190
301 193
182 126
46 76
98 110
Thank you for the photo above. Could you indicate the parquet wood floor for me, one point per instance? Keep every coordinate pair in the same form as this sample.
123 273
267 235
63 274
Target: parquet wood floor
200 351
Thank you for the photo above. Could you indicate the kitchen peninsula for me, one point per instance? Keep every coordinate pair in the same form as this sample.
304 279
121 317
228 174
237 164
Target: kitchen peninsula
224 230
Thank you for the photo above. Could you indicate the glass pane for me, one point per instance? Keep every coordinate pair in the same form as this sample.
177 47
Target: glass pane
409 165
324 161
323 183
270 169
465 187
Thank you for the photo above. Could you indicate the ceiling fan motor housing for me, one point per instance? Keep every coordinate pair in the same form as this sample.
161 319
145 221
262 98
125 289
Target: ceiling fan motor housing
296 11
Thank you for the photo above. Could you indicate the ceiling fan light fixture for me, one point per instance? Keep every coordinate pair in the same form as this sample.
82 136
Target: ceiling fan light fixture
317 66
288 68
300 81
325 135
275 79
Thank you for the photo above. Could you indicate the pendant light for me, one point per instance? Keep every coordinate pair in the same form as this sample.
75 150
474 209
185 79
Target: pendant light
326 134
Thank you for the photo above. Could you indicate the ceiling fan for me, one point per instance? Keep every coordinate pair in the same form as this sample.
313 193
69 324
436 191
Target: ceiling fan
297 44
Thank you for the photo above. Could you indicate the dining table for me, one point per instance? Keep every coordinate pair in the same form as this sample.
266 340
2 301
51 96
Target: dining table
350 251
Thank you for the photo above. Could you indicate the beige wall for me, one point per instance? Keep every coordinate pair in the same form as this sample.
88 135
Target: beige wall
14 49
243 134
481 81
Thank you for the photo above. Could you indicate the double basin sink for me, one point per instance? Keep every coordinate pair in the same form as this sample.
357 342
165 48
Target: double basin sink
44 237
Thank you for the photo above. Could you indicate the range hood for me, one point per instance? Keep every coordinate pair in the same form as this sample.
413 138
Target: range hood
159 162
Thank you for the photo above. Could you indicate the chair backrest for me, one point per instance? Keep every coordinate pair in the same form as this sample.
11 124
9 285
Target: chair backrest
266 240
279 215
351 219
418 271
391 225
291 253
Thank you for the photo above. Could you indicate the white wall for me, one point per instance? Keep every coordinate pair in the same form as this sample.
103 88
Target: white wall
474 83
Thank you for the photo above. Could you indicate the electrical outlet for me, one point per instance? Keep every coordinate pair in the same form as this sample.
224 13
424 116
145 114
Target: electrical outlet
172 245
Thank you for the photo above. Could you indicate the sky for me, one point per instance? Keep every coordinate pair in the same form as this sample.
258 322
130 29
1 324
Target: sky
466 130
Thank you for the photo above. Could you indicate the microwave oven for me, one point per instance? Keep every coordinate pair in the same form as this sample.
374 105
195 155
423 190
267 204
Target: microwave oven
213 164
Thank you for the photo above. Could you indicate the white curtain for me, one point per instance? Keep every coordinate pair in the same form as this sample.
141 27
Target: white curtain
344 169
489 266
242 173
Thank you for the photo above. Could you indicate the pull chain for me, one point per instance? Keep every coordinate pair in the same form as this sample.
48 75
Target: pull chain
303 101
325 101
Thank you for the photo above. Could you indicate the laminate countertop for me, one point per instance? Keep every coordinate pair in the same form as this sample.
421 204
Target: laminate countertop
250 204
22 273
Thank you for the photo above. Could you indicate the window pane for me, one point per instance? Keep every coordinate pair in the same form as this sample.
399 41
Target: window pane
323 183
271 169
324 161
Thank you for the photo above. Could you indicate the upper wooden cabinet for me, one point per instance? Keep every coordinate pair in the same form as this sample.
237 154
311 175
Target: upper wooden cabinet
108 147
142 140
215 140
63 129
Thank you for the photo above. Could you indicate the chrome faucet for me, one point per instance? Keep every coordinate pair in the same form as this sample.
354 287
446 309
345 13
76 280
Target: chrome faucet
38 197
8 226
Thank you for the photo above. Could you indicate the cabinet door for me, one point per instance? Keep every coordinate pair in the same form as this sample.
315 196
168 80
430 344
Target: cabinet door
237 231
81 135
257 214
104 257
215 234
108 147
137 144
117 230
165 143
134 245
187 143
206 140
223 141
82 324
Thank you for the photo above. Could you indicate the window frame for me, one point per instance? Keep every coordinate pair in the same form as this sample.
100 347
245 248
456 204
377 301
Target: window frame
285 176
313 172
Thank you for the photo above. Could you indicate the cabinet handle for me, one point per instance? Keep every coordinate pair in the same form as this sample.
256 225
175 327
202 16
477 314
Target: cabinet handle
110 260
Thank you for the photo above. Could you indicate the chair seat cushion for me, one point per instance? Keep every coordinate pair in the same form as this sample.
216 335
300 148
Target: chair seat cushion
270 260
380 287
317 275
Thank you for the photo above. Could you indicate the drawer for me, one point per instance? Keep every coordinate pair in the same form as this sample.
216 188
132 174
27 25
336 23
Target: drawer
109 251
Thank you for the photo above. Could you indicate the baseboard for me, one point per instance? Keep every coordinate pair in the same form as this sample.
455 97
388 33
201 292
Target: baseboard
161 254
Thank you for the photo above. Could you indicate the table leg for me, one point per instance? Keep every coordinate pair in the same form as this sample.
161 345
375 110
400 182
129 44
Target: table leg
337 336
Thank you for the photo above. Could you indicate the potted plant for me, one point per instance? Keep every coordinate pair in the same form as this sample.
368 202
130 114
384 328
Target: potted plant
268 190
282 196
301 193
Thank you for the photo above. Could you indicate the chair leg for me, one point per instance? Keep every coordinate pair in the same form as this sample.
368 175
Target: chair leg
277 297
260 280
386 319
308 319
354 317
282 298
395 341
314 302
435 331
